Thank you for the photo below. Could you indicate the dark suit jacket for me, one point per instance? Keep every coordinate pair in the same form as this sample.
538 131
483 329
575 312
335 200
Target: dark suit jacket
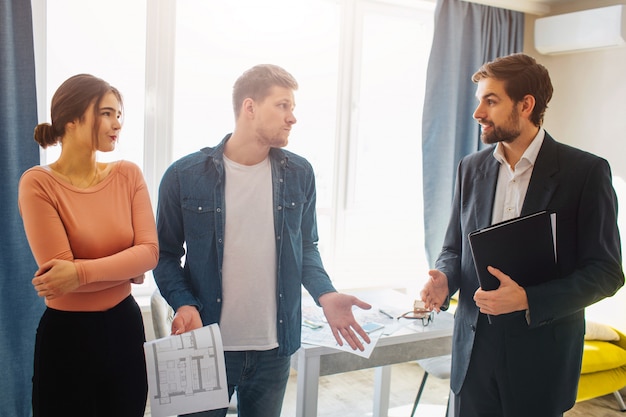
544 357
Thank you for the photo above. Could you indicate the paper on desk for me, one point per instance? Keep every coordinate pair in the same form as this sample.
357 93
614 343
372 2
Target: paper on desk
187 372
323 336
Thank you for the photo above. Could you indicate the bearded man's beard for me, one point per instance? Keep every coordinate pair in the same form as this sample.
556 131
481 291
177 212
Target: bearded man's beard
507 133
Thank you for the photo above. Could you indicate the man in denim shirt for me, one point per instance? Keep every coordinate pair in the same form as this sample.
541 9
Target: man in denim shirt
244 212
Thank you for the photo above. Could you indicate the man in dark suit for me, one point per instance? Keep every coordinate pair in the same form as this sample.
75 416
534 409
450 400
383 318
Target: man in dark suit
527 363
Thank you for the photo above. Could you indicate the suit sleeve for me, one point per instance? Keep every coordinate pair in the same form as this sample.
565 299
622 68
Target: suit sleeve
588 247
449 260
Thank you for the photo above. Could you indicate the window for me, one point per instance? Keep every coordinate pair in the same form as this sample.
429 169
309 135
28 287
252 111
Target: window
381 233
81 41
361 68
217 41
109 44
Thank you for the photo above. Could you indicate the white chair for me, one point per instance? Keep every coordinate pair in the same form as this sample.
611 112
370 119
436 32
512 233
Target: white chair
162 315
439 367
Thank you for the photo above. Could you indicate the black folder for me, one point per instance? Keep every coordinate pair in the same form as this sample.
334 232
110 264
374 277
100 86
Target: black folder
523 248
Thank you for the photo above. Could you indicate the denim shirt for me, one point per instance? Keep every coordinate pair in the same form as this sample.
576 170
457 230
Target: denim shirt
191 222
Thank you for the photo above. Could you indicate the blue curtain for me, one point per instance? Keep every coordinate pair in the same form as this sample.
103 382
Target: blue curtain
466 36
20 308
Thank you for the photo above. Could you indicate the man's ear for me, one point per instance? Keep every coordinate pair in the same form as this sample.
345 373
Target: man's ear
528 105
248 107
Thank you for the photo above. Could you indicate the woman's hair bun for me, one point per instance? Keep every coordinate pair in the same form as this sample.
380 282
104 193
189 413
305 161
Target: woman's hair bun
44 135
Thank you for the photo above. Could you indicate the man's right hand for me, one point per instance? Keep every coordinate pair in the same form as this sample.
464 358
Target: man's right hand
435 291
186 319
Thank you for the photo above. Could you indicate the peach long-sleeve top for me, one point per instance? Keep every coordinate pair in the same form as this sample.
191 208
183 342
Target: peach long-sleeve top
107 230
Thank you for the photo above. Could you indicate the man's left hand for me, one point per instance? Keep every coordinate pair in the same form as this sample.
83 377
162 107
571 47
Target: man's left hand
338 311
509 297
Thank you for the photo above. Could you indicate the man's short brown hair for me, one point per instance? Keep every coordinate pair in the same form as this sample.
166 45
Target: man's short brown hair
256 83
522 75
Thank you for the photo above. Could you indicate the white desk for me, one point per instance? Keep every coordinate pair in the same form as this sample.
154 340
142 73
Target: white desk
407 344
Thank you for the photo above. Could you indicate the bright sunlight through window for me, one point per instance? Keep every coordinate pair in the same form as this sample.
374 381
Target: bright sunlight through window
361 67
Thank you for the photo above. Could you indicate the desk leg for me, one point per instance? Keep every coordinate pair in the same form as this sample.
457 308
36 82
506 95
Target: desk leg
307 386
382 385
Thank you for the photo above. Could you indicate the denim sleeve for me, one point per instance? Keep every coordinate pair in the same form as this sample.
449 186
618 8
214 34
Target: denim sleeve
169 274
314 276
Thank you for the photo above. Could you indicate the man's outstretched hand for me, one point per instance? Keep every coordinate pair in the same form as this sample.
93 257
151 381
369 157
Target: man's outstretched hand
338 311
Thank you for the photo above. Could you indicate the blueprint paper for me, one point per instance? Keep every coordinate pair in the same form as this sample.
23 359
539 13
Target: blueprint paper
323 336
187 372
317 331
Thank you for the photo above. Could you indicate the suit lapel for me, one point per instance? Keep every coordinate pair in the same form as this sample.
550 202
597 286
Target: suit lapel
542 183
485 186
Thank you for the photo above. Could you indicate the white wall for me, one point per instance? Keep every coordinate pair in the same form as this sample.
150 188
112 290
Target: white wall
588 110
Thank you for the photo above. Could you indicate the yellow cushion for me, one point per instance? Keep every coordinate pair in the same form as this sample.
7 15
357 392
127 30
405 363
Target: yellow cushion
600 356
597 384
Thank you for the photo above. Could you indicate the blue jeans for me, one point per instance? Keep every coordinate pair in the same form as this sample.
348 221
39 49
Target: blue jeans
260 378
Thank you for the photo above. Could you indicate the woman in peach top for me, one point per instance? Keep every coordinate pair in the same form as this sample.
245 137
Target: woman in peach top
91 229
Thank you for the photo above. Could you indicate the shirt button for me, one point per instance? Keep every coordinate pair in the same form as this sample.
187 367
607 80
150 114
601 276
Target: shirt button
219 210
219 300
199 208
279 208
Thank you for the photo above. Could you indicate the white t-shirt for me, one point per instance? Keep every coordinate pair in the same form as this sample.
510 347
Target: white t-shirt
248 320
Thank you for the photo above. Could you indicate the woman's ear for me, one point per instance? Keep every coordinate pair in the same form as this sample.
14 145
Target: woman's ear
71 125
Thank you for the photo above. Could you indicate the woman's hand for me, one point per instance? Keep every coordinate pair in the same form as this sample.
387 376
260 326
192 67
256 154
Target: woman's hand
138 280
55 278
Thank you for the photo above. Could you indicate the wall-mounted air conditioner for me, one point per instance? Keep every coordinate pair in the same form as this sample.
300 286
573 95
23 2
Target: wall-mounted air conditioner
581 31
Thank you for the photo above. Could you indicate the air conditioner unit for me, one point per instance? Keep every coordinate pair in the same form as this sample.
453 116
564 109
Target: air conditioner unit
581 31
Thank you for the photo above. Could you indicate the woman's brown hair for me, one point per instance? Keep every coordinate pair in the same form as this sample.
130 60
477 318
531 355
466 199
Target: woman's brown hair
69 103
